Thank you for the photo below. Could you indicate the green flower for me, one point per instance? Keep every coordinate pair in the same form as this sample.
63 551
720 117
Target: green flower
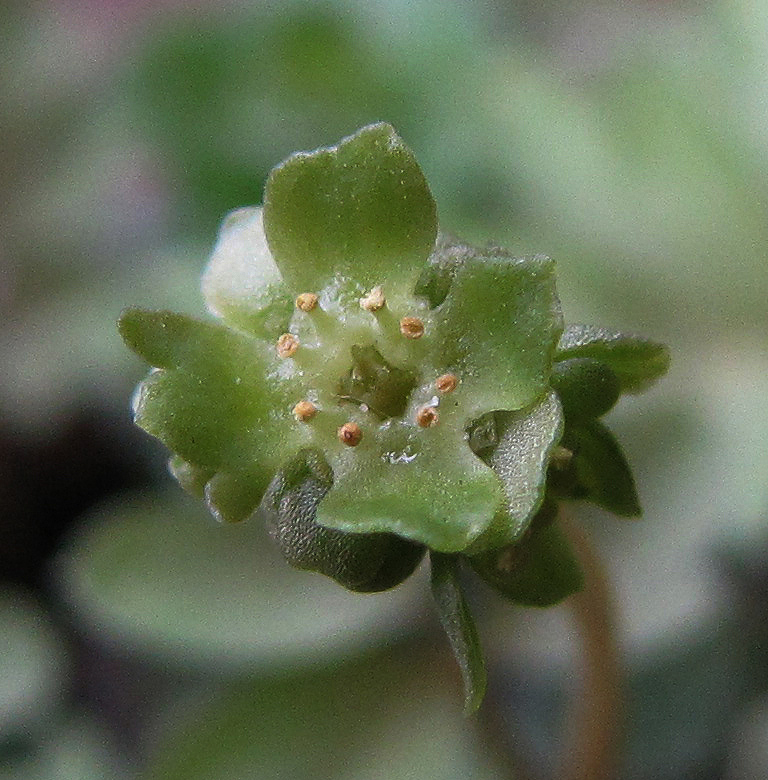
374 390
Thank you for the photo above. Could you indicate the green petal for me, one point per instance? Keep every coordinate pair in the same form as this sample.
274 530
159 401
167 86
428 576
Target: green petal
429 488
538 571
192 478
233 495
638 362
600 469
214 405
520 458
360 562
241 283
359 211
458 624
497 330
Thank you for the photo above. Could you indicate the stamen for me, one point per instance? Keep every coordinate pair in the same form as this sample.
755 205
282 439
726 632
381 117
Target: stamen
287 345
304 410
350 434
412 327
374 301
446 383
306 301
427 416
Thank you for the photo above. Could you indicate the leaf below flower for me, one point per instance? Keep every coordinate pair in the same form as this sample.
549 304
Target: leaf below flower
458 624
538 571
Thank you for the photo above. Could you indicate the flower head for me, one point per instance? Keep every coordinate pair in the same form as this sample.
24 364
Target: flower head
374 389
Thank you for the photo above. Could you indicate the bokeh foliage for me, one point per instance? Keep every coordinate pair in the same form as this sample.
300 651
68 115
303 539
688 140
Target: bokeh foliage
630 145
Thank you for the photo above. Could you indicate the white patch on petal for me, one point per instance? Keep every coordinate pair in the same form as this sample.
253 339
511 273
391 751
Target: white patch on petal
241 275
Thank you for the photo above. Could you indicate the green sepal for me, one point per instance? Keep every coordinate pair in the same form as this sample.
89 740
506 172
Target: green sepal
456 619
497 330
425 485
358 212
519 456
213 405
636 361
586 387
538 571
241 283
598 470
360 562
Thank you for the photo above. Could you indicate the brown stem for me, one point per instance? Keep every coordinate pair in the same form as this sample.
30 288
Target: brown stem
596 716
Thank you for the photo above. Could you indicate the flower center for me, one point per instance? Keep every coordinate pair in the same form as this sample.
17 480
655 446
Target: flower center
376 384
337 348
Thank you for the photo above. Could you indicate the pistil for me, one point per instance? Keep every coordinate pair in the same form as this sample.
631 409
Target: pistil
374 300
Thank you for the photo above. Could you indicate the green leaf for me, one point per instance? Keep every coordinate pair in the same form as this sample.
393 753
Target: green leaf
600 469
397 722
538 571
359 211
241 283
520 456
213 405
497 330
425 485
586 387
154 575
33 669
360 562
458 624
636 361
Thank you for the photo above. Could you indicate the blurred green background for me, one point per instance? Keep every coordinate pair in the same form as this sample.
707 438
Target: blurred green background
628 140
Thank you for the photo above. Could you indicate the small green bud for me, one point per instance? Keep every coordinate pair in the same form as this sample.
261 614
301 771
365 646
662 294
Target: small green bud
587 388
539 570
360 562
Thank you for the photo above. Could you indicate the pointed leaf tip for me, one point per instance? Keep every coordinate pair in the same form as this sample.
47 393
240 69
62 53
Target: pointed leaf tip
156 336
459 625
637 362
600 468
